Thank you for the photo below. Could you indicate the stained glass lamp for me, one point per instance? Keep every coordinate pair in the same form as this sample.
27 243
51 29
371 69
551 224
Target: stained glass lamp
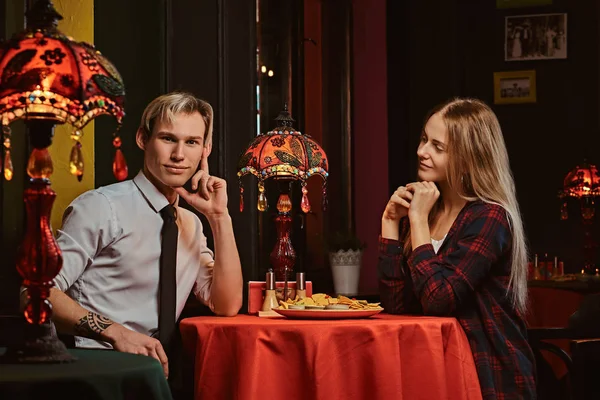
583 184
47 78
283 154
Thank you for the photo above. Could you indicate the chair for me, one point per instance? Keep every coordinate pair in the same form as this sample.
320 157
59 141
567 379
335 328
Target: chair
582 326
583 365
586 369
549 387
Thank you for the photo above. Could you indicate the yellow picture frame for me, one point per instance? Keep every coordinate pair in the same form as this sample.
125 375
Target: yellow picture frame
515 87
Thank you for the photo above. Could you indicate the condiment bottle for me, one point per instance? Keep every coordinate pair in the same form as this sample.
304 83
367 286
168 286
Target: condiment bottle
270 301
300 285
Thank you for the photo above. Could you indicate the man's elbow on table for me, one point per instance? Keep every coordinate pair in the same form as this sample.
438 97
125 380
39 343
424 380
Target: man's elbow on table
227 306
230 309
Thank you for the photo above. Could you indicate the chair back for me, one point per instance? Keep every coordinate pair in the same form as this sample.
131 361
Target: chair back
586 369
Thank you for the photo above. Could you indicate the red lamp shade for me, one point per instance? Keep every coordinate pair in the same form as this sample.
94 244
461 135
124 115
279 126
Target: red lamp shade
283 153
582 181
47 75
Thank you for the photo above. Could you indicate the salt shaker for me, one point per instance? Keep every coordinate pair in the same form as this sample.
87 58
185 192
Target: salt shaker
300 285
270 301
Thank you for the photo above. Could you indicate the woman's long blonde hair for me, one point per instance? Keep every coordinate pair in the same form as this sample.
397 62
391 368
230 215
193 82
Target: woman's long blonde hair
478 169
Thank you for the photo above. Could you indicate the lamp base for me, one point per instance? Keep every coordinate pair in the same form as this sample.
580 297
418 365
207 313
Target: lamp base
37 344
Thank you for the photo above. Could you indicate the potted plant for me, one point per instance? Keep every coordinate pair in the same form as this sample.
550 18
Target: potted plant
345 255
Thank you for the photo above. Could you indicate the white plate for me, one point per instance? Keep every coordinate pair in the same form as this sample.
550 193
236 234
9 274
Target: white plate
327 314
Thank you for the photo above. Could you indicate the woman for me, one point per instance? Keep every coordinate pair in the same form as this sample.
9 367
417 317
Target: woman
452 244
516 44
550 35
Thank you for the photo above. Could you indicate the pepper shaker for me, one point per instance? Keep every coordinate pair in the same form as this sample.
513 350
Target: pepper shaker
300 285
270 301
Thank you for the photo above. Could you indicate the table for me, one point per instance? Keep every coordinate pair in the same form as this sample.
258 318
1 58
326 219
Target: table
551 306
96 375
382 357
591 285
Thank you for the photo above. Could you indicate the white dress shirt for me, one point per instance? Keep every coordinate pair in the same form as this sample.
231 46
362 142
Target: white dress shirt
110 240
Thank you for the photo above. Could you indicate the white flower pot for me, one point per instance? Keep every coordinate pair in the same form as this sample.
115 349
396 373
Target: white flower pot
345 268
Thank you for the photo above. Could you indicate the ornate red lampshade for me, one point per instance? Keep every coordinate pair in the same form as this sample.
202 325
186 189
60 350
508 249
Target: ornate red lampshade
46 79
284 154
48 76
583 183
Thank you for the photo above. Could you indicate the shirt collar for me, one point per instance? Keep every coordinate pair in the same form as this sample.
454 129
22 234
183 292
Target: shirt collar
153 196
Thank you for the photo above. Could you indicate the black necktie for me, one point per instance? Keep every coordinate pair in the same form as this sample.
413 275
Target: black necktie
167 286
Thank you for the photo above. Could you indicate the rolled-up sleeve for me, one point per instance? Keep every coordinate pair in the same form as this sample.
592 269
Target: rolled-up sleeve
88 226
395 284
442 284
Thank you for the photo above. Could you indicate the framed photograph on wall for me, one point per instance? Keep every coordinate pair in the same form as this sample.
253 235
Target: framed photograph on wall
535 37
521 3
514 87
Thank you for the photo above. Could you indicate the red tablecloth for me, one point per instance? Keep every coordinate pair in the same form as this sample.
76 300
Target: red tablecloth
382 357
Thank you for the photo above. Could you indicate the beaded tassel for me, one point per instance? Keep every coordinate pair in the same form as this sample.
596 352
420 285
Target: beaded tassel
564 213
76 157
8 165
241 197
305 203
325 201
119 164
262 198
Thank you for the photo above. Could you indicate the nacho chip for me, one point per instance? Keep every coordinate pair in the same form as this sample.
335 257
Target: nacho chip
309 301
322 299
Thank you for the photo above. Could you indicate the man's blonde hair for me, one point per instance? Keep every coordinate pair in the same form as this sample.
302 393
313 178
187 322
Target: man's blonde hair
165 107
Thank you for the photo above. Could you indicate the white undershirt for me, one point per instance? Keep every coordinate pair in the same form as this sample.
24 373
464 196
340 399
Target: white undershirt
437 243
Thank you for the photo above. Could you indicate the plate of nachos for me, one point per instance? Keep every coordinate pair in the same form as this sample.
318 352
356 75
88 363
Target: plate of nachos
322 306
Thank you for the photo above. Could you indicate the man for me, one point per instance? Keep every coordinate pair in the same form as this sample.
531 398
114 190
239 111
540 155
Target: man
107 293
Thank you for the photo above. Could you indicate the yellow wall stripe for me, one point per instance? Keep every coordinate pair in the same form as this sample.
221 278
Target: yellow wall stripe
78 22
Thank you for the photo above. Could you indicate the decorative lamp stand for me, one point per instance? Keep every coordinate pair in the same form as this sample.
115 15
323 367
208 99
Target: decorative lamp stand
287 155
583 184
48 79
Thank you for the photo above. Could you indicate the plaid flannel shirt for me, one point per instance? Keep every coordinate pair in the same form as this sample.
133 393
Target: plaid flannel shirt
467 279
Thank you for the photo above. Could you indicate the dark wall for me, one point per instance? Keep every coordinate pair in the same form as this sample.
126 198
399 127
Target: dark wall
134 40
204 47
212 53
454 52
